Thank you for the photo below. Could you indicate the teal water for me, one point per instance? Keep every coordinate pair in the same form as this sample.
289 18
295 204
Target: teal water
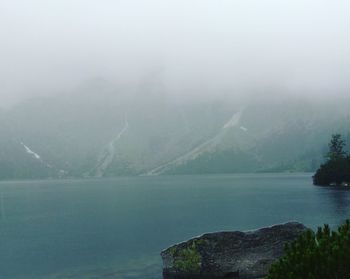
115 228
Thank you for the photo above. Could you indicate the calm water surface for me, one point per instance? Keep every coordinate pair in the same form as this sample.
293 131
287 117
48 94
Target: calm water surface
115 228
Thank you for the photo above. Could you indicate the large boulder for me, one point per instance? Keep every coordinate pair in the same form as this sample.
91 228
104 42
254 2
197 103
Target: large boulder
229 254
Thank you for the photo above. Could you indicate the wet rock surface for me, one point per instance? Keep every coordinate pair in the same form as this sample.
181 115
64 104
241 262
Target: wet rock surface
229 254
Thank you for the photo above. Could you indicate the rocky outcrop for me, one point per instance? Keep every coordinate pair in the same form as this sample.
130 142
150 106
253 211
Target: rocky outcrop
229 254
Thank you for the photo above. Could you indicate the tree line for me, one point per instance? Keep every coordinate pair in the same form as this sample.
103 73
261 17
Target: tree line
336 169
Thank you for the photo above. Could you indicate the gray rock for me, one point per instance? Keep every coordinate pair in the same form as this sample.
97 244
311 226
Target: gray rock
229 254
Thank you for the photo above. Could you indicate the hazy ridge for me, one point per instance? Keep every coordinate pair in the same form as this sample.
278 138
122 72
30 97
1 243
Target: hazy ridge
101 130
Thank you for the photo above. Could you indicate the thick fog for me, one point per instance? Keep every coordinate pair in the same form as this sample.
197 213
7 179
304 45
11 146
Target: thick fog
202 47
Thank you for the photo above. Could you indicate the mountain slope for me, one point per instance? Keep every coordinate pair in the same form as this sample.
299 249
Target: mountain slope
110 132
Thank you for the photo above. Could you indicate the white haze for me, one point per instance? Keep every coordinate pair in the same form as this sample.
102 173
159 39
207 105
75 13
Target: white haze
203 47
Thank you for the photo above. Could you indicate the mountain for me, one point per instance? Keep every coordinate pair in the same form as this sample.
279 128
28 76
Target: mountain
267 136
104 130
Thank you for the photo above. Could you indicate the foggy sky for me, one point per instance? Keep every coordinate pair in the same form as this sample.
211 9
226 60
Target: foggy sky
203 47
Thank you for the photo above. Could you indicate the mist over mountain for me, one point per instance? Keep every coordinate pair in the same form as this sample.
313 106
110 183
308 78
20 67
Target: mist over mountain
182 86
105 130
129 125
199 48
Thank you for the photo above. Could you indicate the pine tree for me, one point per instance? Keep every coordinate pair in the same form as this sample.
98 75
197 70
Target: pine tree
336 148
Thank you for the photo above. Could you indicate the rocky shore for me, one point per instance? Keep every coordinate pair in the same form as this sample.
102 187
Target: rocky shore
229 254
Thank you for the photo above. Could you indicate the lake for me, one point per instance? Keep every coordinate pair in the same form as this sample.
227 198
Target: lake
116 227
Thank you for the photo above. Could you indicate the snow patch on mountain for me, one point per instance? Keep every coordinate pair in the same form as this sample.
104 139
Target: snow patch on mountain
38 157
180 160
107 155
234 121
201 148
31 152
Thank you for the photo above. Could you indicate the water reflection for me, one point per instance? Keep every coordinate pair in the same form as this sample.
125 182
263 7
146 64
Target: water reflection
97 228
340 200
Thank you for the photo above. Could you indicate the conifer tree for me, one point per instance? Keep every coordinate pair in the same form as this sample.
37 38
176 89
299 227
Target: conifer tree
336 148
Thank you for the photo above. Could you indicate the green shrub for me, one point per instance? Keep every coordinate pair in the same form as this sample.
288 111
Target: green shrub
189 259
321 255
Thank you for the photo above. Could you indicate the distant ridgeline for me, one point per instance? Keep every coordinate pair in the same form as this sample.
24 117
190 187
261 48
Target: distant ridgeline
102 131
336 170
